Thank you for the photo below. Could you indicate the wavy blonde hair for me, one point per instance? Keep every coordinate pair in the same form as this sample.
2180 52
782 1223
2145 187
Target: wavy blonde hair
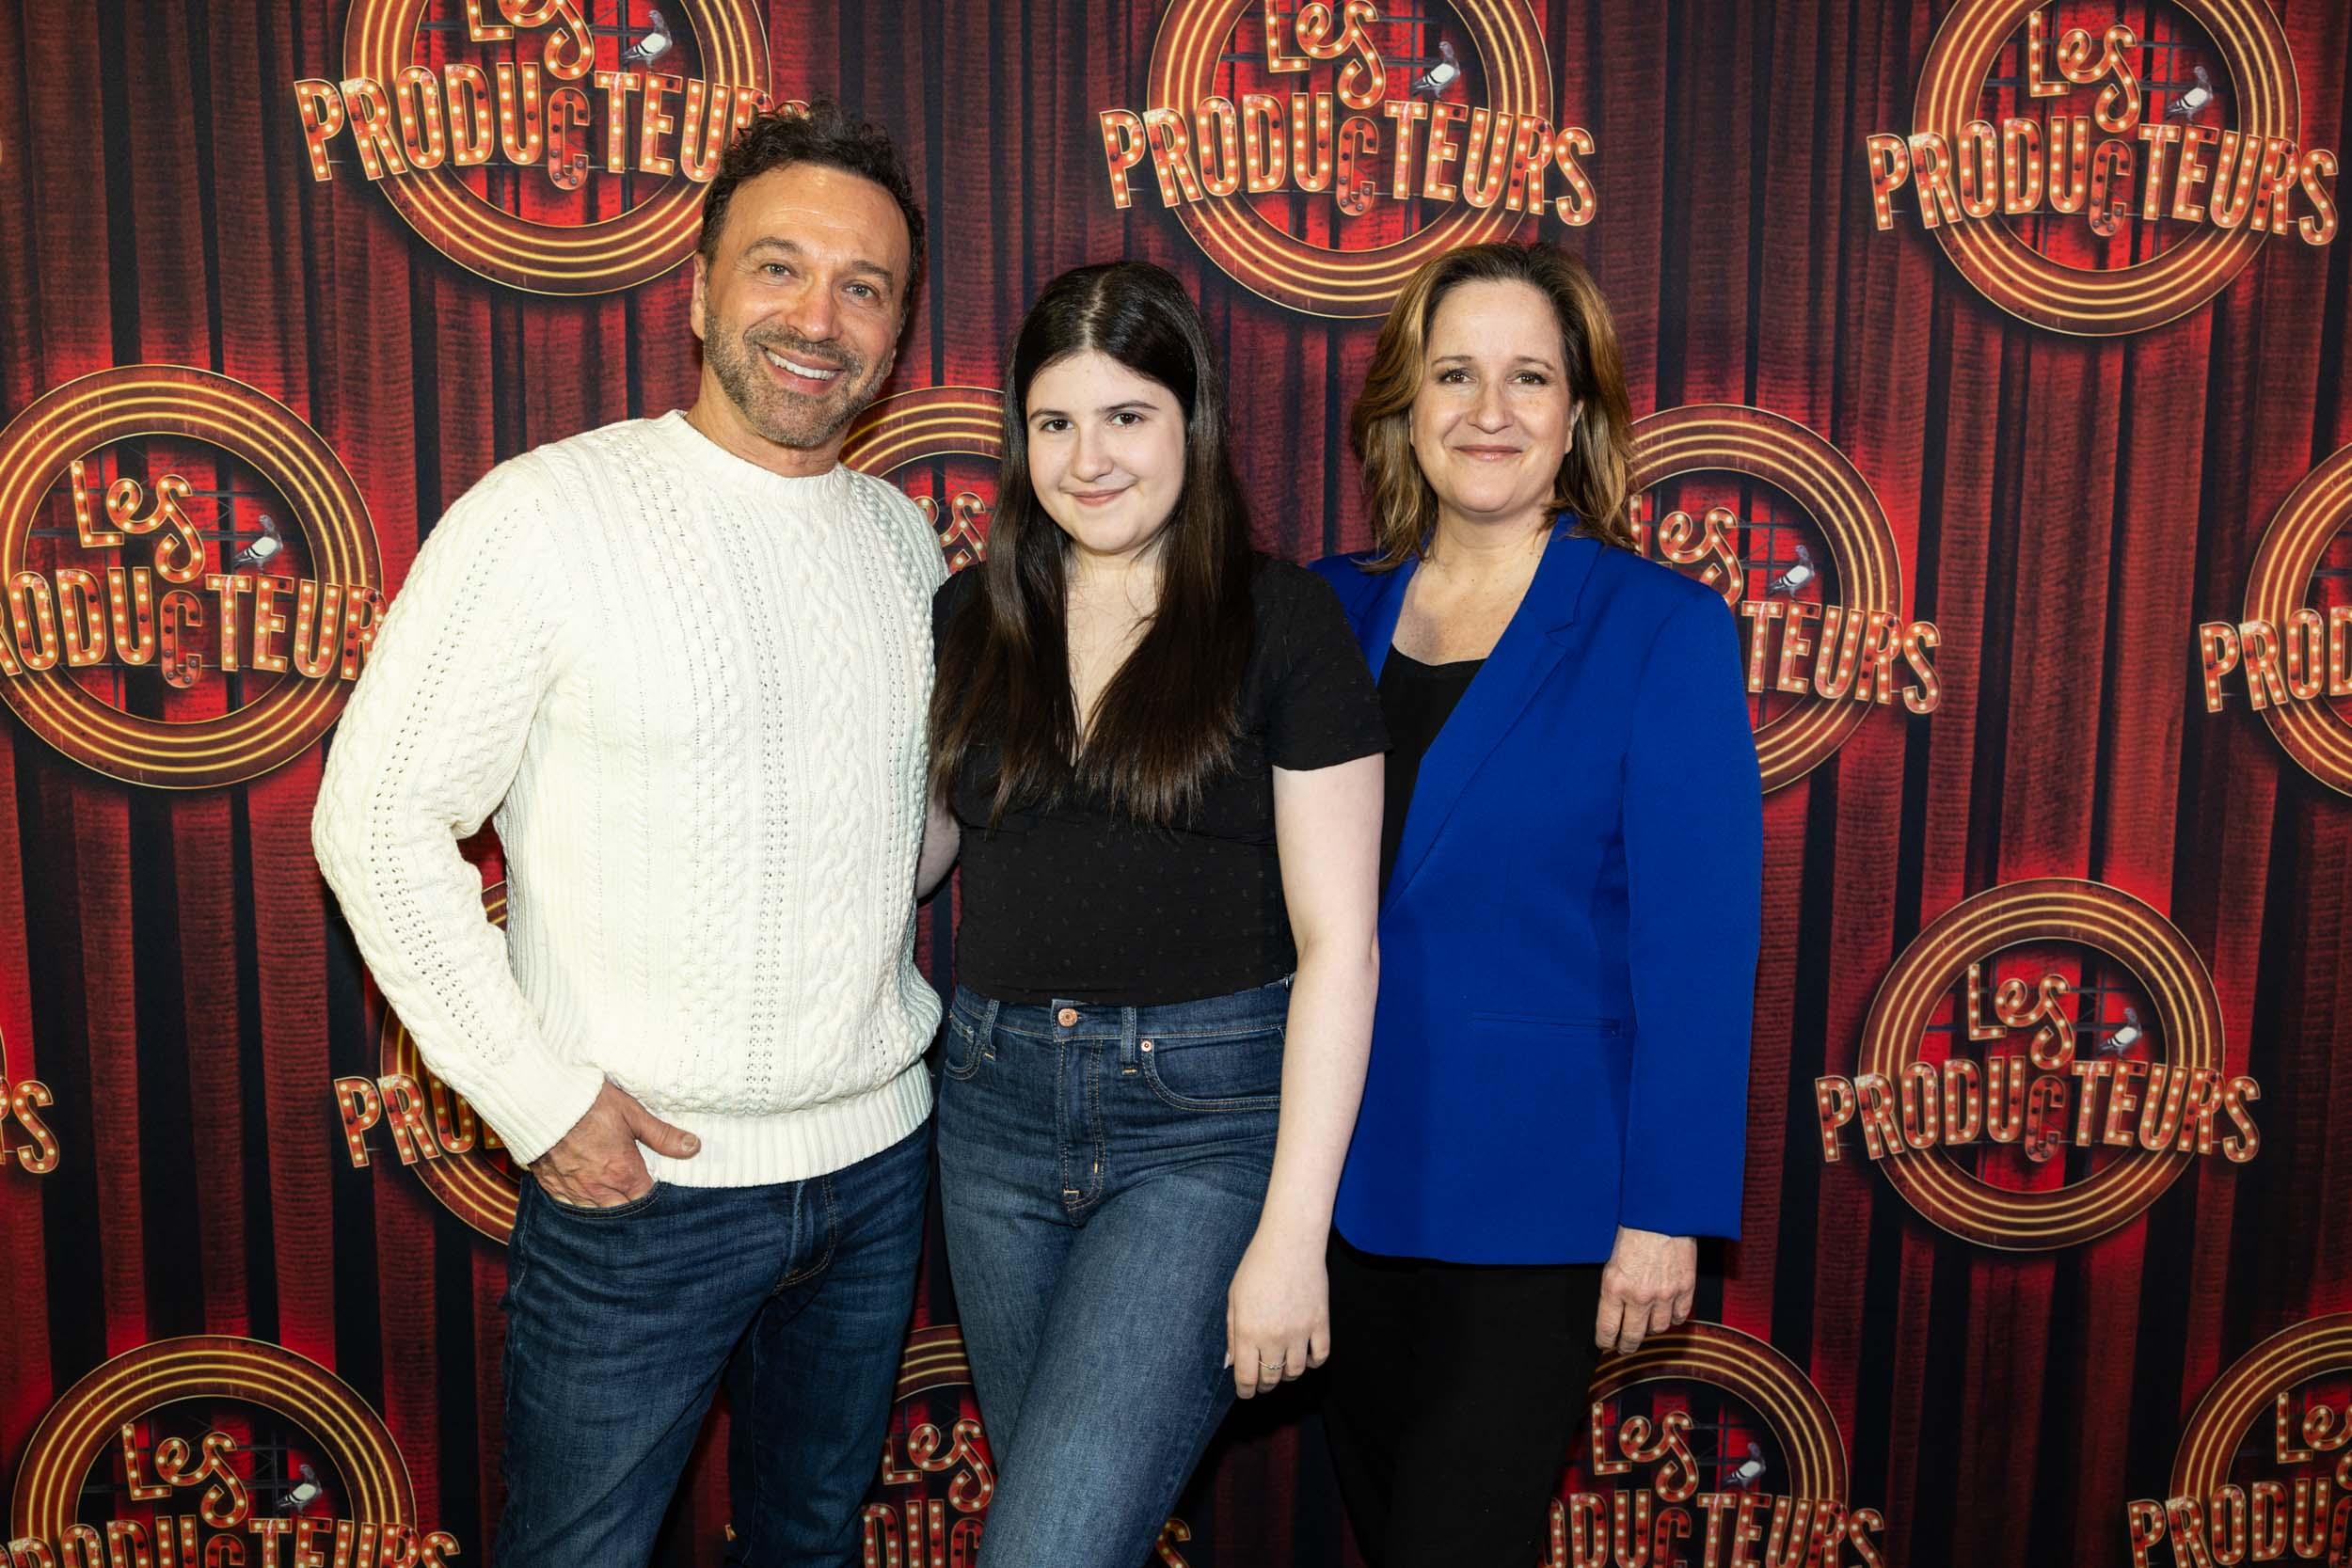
1595 477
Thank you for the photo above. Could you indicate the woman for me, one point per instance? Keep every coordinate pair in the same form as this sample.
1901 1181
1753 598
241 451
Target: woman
1570 885
1159 754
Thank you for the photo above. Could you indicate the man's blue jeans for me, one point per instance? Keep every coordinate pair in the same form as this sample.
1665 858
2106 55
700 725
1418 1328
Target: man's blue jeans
1102 1170
621 1321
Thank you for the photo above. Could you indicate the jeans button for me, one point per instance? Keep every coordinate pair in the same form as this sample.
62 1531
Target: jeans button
1067 1016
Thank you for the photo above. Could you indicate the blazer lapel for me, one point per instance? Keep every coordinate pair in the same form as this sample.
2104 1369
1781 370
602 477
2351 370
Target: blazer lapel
1528 653
1380 614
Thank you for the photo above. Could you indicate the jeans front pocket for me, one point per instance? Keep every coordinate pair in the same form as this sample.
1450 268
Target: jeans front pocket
637 1205
966 1046
1236 1070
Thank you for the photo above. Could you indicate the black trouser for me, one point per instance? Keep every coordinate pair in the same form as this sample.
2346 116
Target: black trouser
1455 1392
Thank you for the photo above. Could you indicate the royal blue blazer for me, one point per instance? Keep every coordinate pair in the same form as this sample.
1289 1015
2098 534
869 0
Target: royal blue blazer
1568 938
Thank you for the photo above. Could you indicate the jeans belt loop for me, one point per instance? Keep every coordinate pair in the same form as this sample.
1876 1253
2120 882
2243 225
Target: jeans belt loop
1127 1031
987 1029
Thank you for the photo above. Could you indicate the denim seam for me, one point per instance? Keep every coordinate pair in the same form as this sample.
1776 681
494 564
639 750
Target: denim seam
509 1351
833 1233
1101 1136
517 1258
972 1038
757 1508
1077 1036
1187 1462
1057 1036
1184 1102
1216 1037
1061 1127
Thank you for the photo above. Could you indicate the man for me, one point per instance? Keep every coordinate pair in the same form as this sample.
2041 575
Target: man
685 661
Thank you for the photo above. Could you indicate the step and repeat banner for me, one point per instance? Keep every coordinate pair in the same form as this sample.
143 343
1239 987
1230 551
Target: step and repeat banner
1990 361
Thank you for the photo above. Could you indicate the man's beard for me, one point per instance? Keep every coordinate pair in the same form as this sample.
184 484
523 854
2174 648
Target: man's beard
787 418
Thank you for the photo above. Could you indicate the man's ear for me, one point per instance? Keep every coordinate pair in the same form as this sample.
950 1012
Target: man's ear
700 308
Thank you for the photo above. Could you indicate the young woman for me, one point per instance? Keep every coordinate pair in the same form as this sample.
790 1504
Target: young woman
1159 754
1571 884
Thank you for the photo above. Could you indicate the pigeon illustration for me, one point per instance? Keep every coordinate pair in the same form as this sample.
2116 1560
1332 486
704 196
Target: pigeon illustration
261 551
1441 76
2126 1034
654 44
2191 104
1749 1472
1795 577
304 1492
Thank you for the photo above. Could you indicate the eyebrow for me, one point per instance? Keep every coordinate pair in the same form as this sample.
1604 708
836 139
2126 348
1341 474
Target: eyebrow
1519 360
1138 404
858 265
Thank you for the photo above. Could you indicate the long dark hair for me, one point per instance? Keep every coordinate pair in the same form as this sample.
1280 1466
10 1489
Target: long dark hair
1166 722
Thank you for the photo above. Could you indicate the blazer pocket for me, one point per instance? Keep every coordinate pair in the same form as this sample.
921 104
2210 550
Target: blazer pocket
1601 1026
1556 1085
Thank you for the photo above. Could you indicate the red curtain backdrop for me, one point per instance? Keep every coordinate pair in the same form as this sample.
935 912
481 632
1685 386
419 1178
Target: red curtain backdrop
2067 510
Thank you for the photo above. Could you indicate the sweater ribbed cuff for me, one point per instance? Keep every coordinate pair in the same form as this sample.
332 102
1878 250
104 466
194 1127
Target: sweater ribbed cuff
792 1145
534 1105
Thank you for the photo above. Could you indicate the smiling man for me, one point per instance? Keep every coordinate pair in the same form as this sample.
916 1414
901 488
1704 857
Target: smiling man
683 663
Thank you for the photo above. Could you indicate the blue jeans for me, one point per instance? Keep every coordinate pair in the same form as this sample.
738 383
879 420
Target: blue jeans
621 1321
1102 1171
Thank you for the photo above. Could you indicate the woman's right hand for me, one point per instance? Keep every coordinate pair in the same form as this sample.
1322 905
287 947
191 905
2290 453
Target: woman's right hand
1277 1313
1646 1288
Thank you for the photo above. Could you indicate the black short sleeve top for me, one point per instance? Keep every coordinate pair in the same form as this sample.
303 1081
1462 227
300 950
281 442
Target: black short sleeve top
1077 902
1416 699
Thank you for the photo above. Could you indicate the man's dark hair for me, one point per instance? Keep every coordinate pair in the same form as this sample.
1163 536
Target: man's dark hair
824 135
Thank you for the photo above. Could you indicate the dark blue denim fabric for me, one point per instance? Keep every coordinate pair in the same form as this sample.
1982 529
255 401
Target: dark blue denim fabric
621 1322
1102 1171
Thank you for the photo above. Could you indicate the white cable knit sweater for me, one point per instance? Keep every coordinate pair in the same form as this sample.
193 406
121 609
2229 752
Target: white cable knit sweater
693 692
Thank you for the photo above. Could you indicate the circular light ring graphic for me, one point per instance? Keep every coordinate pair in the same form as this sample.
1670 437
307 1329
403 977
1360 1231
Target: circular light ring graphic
2243 1395
1312 277
133 400
469 1185
2306 523
80 1426
1755 1372
1729 436
930 422
2121 300
934 1358
2048 909
553 257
